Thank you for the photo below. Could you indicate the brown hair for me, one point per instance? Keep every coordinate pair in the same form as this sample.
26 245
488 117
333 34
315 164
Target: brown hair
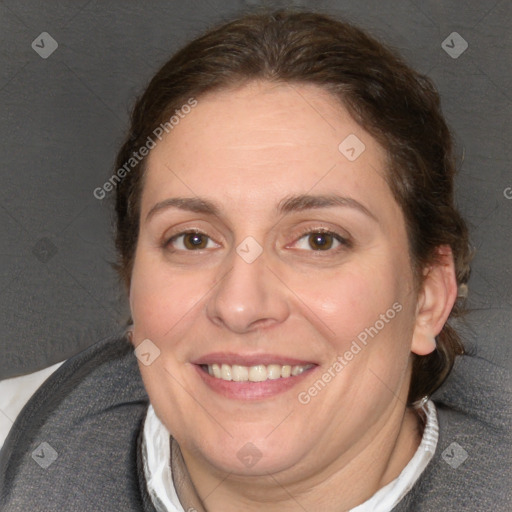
396 105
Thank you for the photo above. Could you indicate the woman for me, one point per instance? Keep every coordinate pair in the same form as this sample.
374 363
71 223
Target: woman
291 249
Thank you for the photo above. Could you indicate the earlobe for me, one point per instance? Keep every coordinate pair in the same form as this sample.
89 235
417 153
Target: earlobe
435 301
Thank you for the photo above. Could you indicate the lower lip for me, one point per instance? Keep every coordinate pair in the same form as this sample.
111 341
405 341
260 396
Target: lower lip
248 390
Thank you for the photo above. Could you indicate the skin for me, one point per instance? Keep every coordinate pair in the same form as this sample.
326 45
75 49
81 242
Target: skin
247 150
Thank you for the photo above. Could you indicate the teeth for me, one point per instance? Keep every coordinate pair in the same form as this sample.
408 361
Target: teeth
225 372
240 373
273 371
215 368
297 370
286 370
257 373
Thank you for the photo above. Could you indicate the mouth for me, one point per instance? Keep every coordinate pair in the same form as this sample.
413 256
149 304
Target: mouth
251 377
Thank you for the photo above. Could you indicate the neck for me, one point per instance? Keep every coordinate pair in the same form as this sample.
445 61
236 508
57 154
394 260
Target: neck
348 481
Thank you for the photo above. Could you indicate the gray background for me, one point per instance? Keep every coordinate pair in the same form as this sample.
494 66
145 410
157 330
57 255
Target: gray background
63 117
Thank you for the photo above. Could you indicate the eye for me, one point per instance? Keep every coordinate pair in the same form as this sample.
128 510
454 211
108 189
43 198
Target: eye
320 241
191 241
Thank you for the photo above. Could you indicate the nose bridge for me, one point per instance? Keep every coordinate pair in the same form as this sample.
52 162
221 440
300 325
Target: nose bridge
248 295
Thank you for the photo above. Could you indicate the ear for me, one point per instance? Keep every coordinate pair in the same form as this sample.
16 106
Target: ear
435 301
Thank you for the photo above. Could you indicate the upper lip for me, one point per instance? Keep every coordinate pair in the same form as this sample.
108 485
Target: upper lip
248 359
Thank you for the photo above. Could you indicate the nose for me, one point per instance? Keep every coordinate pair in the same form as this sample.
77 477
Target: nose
248 296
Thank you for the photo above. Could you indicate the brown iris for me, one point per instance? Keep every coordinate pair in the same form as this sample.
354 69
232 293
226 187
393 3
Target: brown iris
320 241
195 241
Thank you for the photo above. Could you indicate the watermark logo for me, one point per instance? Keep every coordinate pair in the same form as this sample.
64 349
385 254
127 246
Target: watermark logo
454 45
44 250
44 455
44 45
249 455
454 455
249 249
351 147
146 352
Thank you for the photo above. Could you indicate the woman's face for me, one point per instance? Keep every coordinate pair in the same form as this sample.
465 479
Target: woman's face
271 244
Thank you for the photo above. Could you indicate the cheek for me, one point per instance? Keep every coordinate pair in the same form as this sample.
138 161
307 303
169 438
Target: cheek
348 302
371 321
161 299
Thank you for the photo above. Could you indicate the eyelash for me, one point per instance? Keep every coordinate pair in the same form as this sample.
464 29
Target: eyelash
345 242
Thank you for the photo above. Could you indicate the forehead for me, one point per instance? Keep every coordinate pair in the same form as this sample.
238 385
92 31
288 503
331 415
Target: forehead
262 141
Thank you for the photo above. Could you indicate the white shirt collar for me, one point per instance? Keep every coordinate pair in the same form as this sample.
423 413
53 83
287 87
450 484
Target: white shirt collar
157 470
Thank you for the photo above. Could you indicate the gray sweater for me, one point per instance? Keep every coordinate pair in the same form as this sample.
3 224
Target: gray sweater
76 445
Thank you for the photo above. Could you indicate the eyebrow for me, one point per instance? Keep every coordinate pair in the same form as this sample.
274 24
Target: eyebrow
310 202
288 205
191 204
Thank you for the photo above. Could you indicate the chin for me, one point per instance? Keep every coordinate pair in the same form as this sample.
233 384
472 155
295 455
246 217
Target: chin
251 458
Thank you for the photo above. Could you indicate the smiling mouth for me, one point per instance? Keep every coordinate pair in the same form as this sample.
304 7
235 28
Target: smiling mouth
256 373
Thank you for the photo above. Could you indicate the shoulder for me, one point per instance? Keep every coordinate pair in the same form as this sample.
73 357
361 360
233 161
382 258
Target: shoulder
15 392
74 443
471 469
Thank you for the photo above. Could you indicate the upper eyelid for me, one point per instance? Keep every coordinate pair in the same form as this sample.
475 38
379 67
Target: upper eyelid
187 232
167 237
320 230
301 233
326 230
